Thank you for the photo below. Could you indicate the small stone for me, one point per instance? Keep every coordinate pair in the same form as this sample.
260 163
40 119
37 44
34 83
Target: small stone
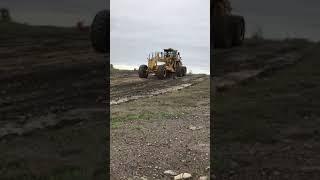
252 151
207 168
182 176
170 172
234 165
144 178
276 173
192 128
308 146
203 178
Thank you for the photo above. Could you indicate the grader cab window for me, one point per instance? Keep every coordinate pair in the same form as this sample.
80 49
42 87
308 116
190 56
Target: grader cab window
170 53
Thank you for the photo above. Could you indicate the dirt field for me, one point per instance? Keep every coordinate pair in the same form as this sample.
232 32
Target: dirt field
146 120
52 100
255 58
53 110
153 132
266 127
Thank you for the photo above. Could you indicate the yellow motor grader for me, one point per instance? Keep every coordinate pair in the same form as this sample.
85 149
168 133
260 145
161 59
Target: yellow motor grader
163 65
228 29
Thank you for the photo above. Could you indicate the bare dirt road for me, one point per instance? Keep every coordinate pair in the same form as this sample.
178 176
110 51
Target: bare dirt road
128 86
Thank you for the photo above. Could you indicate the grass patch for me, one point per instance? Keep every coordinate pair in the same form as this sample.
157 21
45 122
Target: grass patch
116 121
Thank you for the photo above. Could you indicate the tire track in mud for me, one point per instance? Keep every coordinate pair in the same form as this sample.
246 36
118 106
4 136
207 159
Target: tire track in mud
50 120
125 92
237 65
47 92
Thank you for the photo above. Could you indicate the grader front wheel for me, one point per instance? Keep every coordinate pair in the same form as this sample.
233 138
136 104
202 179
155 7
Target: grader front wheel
162 72
143 71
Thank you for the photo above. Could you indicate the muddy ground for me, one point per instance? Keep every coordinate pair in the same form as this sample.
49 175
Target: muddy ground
165 128
266 127
255 58
52 100
53 93
152 123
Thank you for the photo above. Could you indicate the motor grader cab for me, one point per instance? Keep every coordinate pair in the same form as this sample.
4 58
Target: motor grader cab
99 27
229 29
163 65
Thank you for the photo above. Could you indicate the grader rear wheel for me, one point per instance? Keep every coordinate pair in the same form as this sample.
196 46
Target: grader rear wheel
179 71
228 31
239 30
99 32
184 70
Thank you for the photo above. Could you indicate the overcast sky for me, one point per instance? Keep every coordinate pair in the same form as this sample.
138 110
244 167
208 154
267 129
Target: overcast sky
279 19
53 12
143 26
294 18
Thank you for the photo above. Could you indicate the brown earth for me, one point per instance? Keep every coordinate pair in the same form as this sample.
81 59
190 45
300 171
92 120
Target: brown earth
143 124
266 128
52 99
255 58
153 134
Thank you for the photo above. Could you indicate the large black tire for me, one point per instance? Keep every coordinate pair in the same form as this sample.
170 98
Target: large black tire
162 72
239 30
100 30
228 31
184 70
222 32
179 71
143 71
